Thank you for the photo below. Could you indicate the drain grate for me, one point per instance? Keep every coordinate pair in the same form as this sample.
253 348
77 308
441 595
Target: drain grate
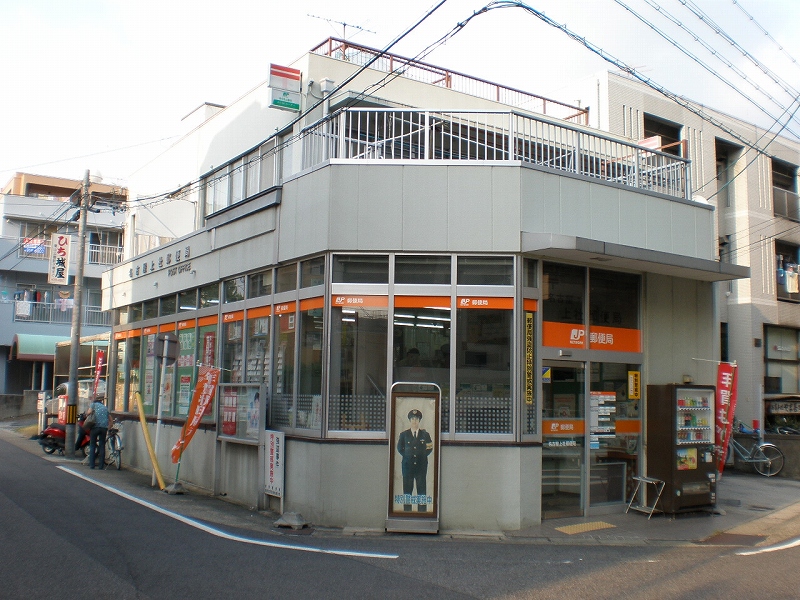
584 527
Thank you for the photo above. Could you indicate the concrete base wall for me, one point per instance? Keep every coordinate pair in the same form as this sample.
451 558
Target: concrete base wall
18 405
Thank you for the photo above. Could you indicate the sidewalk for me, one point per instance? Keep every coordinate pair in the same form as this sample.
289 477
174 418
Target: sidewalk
751 511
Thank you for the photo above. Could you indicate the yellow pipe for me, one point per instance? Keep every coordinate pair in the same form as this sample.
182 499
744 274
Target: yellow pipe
150 450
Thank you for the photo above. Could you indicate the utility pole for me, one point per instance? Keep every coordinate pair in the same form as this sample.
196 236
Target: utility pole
77 310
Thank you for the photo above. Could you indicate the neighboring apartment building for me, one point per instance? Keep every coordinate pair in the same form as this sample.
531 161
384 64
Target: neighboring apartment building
36 314
755 196
440 229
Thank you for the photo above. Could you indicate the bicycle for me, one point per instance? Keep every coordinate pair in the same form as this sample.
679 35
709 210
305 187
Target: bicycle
766 458
114 445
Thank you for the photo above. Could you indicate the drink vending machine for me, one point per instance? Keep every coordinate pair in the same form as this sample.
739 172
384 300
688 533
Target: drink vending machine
680 445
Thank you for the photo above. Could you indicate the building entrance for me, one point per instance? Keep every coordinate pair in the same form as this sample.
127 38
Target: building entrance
563 439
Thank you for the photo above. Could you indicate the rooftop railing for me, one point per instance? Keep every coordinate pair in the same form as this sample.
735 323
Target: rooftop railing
391 134
433 75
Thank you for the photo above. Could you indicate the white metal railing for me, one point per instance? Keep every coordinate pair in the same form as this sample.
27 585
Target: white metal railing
391 134
97 254
104 255
433 75
58 312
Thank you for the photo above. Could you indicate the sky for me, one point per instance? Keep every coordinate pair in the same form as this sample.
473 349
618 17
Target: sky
103 84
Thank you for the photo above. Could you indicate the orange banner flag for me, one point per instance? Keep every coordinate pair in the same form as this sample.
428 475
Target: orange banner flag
203 395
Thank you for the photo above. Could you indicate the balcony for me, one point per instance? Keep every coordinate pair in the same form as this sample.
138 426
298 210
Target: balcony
96 254
58 313
786 204
418 135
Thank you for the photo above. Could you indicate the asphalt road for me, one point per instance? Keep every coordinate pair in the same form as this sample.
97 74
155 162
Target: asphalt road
64 536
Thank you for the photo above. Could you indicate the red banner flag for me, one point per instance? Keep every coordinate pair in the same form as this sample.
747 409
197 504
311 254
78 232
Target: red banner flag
726 407
101 357
203 395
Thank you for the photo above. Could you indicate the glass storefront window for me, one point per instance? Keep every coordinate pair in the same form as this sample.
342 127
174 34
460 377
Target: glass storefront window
483 371
233 289
149 383
564 287
207 349
122 376
529 272
209 295
282 405
259 284
361 268
186 370
312 272
286 278
422 269
258 346
167 306
167 388
135 312
150 310
232 348
782 356
240 410
187 300
358 365
421 344
309 393
613 433
613 299
133 354
485 270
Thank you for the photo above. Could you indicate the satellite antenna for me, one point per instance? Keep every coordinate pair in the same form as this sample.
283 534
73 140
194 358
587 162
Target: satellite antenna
344 26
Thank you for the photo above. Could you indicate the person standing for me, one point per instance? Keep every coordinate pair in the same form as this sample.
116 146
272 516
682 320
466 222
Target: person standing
97 435
414 445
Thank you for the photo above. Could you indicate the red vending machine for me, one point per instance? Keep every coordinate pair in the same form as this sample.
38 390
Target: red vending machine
680 445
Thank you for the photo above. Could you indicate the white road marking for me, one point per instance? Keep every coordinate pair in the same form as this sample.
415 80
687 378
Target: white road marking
765 549
223 534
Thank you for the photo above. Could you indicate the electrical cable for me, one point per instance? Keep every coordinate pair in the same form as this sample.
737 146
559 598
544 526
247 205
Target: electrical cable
705 66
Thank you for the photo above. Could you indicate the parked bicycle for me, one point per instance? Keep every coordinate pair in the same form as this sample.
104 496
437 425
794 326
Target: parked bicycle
114 445
766 458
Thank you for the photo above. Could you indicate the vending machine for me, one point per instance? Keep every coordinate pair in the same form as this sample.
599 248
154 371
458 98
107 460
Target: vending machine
680 445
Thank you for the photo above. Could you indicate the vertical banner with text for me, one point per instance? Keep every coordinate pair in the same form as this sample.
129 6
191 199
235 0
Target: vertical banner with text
726 407
58 271
203 396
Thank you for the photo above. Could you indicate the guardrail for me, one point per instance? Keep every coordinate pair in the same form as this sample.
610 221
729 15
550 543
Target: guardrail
408 135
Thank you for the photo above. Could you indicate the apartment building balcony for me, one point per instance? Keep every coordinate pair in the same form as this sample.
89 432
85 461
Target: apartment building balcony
786 204
58 313
96 254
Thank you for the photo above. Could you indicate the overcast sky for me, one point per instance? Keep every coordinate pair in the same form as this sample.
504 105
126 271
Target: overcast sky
103 84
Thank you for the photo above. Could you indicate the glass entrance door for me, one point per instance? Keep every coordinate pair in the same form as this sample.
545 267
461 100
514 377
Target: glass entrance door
563 439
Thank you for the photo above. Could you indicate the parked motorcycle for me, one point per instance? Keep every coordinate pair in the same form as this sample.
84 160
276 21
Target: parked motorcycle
52 437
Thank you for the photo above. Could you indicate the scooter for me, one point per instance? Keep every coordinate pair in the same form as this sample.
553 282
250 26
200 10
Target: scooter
53 436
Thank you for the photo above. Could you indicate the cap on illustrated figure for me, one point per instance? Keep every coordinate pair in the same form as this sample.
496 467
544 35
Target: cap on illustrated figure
414 414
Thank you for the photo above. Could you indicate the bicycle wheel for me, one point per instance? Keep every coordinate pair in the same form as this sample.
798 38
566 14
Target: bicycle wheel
117 452
768 460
